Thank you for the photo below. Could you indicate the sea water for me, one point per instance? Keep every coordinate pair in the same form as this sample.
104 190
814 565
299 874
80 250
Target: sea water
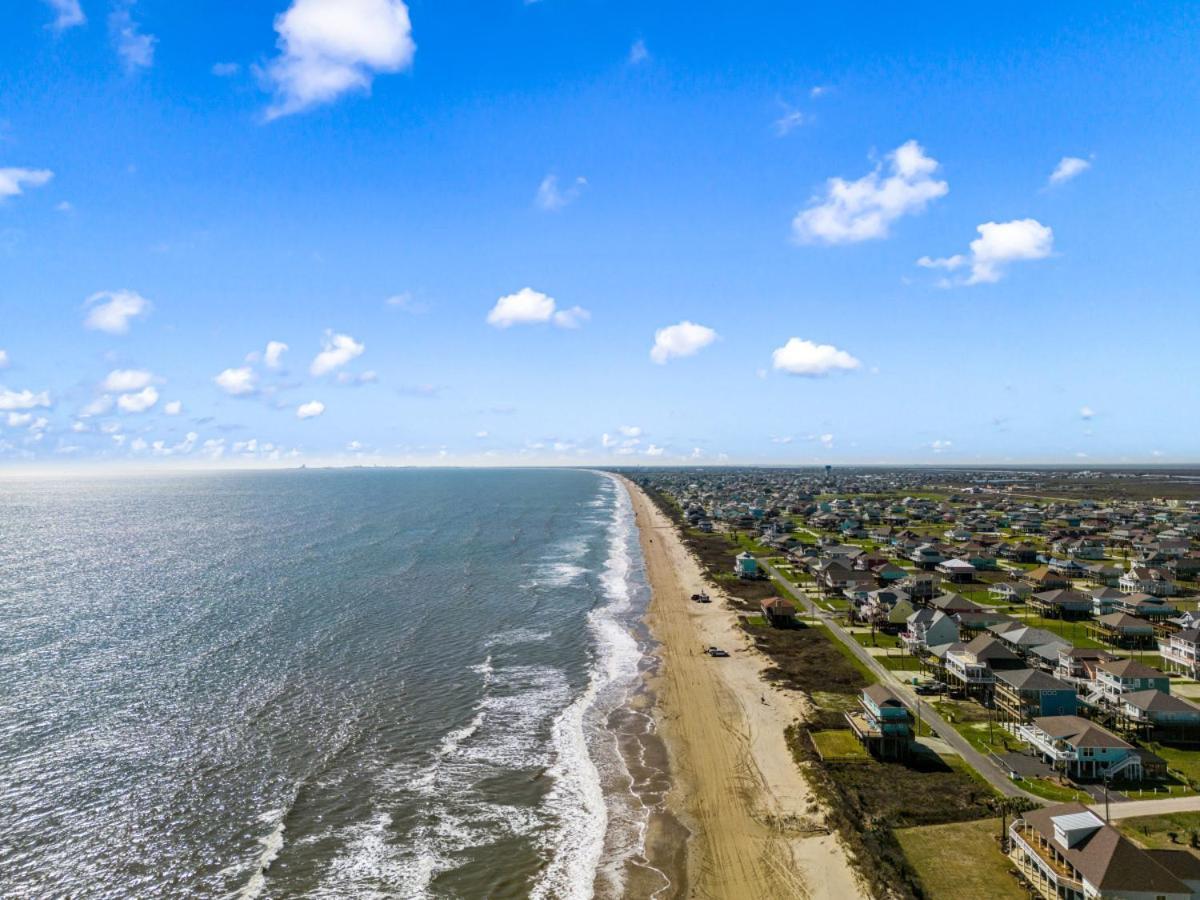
337 683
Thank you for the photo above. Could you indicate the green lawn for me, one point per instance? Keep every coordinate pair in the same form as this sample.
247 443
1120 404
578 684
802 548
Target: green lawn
840 744
899 663
878 639
1155 831
1185 762
850 657
939 854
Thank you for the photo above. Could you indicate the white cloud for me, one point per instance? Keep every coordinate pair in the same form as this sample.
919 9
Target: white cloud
826 441
638 52
790 120
22 399
337 350
329 47
173 408
226 69
19 420
69 14
571 318
139 402
309 410
273 355
1069 167
121 380
112 311
941 446
350 378
3 359
551 197
653 450
864 209
818 90
998 245
607 440
800 357
135 48
238 382
481 435
1086 412
97 407
684 339
785 439
13 181
630 431
79 427
407 303
530 307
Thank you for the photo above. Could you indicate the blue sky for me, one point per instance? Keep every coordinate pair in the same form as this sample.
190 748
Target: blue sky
597 232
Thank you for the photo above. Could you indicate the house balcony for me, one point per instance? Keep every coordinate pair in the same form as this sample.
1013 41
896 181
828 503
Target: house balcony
1041 864
1031 734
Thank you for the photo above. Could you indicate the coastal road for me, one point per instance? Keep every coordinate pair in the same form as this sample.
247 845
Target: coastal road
987 769
976 760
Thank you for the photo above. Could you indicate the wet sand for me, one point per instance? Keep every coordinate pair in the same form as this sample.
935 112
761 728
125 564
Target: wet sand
755 829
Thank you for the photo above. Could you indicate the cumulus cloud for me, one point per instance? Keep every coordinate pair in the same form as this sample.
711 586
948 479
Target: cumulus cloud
551 196
13 181
941 446
3 359
68 14
19 420
864 209
10 400
135 48
237 382
336 351
121 380
173 408
654 450
138 402
112 311
329 47
998 245
530 307
801 357
1086 412
684 339
1068 167
273 355
310 409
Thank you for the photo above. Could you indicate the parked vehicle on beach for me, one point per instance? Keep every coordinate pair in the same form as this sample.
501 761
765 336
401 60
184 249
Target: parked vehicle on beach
716 651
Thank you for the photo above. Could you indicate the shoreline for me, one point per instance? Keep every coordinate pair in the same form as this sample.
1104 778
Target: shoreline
754 826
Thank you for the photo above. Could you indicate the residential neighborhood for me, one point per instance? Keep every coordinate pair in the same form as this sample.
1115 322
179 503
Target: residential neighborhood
1040 631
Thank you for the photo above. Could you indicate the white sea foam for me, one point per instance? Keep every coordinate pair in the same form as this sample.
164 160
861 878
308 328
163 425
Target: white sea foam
272 843
581 745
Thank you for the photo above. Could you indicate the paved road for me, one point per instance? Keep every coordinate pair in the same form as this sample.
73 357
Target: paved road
976 760
986 767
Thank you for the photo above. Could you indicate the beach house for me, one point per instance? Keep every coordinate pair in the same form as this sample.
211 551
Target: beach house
882 722
1155 714
928 628
1081 749
1067 852
1025 694
1115 677
779 613
746 566
1181 652
971 668
1122 630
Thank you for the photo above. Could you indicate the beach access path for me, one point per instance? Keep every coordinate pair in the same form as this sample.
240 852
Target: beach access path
756 826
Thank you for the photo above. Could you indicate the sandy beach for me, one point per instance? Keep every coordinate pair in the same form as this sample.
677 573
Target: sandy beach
756 827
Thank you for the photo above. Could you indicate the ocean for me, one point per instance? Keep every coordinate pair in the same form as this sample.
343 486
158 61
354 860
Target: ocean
325 683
